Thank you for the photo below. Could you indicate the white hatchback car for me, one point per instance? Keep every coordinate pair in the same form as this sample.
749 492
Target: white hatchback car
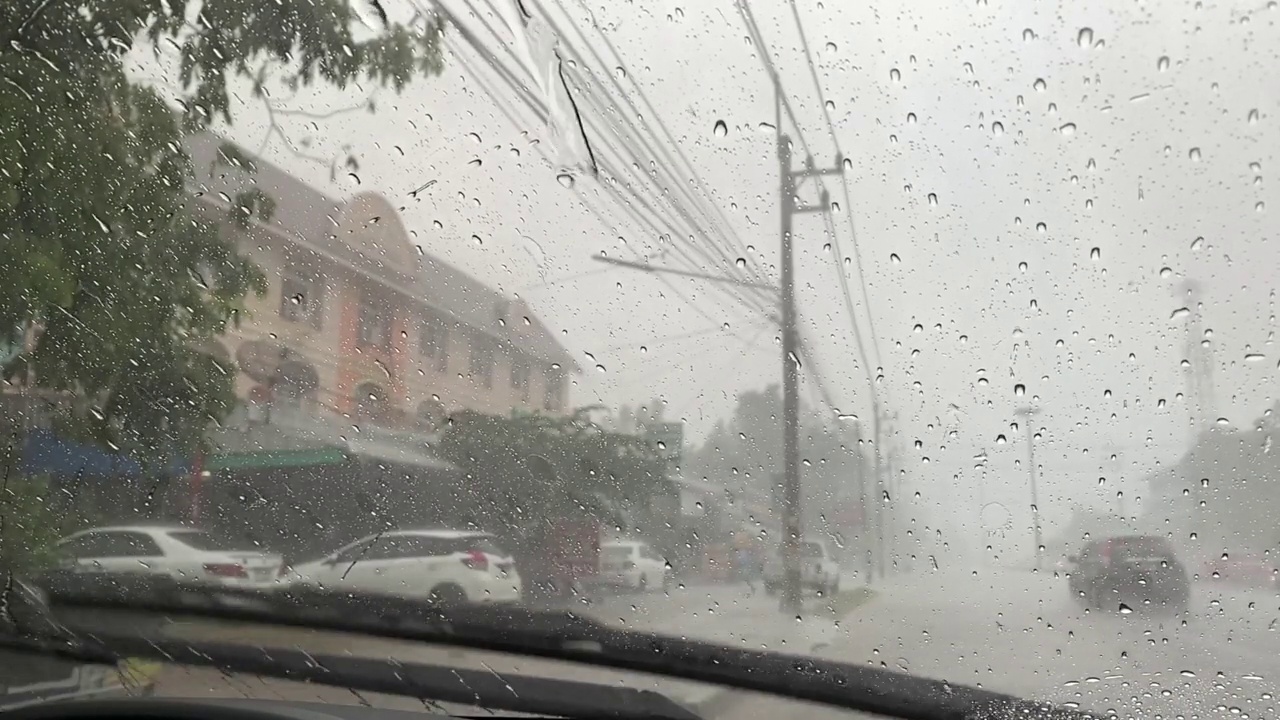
633 564
184 554
445 566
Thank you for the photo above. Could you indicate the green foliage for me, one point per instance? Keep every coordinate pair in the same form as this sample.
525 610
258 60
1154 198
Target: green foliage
29 526
124 281
747 449
536 466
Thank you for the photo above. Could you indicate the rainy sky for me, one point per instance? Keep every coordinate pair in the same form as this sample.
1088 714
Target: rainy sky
1030 184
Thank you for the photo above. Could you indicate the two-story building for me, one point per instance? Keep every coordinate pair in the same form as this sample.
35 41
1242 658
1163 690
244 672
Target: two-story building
362 322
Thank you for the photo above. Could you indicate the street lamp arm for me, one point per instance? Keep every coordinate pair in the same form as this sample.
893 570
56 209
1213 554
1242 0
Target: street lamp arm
686 273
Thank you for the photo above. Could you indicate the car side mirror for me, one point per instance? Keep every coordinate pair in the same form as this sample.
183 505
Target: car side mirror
1073 558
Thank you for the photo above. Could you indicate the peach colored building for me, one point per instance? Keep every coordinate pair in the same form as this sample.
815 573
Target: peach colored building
360 323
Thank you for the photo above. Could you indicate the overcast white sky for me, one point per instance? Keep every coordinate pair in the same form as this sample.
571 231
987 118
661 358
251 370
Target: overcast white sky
1040 142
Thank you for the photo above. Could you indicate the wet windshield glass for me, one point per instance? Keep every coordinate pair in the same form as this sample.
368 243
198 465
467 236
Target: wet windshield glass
871 332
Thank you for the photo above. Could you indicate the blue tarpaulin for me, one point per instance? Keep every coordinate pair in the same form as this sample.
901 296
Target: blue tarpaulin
44 453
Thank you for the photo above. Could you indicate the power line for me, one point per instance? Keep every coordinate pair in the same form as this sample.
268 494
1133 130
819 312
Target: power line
651 112
844 184
585 89
539 112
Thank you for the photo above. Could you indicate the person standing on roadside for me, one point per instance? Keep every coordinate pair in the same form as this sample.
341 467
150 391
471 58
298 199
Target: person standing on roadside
746 568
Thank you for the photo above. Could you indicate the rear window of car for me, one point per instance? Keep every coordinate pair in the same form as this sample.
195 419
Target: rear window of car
615 553
1141 547
488 546
202 540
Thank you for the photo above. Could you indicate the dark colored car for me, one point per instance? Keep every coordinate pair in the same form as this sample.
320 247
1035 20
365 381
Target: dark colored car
1137 571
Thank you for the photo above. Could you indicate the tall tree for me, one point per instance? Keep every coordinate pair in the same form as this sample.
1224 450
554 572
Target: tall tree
116 280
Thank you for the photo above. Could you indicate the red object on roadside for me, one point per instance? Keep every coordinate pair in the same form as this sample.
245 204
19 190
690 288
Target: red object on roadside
476 560
228 570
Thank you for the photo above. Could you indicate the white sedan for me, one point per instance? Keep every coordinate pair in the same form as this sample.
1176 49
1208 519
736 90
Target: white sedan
181 553
444 566
633 564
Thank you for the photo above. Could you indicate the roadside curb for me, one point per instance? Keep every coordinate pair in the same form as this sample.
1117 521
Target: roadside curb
712 700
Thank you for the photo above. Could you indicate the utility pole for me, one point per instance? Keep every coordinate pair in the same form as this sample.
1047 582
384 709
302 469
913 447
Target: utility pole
1027 413
789 181
884 466
791 525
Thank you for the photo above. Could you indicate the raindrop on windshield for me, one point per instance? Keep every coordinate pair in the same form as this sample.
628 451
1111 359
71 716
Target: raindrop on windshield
895 75
1095 254
1039 85
1028 35
721 129
565 179
1194 154
1068 129
1084 38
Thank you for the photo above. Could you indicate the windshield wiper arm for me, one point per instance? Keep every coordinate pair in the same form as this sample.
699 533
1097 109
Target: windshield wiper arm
490 690
570 637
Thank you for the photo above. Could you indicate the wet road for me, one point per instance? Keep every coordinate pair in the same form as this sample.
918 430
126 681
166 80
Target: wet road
1008 630
1020 633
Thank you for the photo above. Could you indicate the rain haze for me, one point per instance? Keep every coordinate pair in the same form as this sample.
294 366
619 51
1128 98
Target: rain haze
1047 229
1030 190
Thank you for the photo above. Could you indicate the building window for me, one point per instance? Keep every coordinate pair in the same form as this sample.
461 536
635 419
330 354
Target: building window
520 376
555 389
302 299
434 342
482 360
375 322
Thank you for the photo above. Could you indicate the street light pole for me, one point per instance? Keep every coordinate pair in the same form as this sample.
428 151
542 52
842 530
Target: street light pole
1028 413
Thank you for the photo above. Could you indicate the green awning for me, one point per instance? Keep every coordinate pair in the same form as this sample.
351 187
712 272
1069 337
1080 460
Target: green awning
266 459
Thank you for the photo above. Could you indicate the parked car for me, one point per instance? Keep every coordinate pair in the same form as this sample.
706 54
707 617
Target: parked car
819 569
181 553
633 564
444 566
1136 571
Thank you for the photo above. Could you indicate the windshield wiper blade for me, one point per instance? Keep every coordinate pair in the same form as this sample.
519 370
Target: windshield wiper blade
566 636
491 690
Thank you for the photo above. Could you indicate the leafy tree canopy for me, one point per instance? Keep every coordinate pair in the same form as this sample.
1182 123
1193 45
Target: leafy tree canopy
535 466
113 273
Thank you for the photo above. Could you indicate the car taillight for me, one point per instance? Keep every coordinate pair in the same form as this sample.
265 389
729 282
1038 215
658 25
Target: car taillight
1105 552
284 570
476 560
230 570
